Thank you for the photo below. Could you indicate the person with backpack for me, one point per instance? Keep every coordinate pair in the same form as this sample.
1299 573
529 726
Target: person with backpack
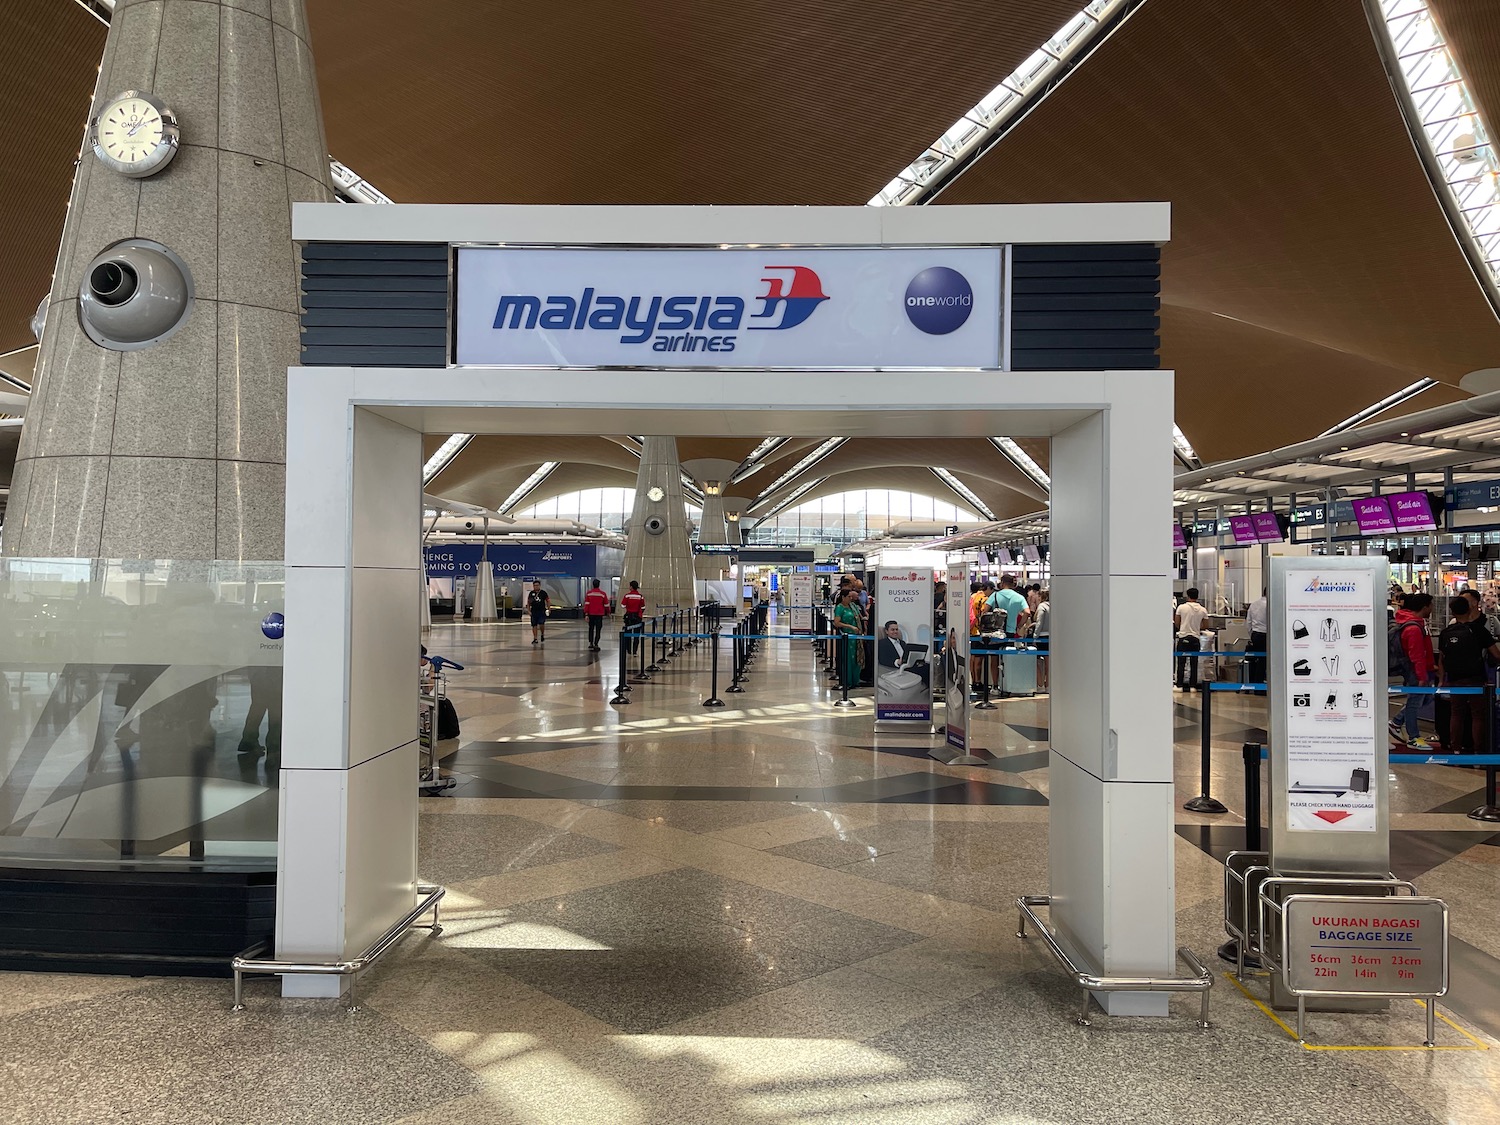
1462 648
1409 659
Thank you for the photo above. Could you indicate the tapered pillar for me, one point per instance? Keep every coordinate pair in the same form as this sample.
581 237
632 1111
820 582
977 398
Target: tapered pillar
657 552
176 448
711 474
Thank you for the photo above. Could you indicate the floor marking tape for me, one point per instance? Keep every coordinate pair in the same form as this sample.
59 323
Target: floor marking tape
1478 1044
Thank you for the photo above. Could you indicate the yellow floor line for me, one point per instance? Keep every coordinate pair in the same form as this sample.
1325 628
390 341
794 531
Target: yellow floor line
1478 1045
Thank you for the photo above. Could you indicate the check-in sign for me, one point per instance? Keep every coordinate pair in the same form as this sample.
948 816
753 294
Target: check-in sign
776 307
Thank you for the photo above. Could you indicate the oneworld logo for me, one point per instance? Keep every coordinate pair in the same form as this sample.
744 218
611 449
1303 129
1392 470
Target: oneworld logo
704 322
939 300
274 626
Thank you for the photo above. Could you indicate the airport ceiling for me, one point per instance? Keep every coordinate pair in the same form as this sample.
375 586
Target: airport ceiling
1310 273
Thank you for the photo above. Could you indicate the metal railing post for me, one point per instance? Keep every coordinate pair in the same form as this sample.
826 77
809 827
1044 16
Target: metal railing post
738 641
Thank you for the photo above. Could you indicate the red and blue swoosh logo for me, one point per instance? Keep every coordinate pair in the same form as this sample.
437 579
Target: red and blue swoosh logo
788 300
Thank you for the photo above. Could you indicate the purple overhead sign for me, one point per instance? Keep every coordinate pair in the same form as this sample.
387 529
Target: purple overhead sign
1243 529
1267 527
1412 511
1373 515
1179 540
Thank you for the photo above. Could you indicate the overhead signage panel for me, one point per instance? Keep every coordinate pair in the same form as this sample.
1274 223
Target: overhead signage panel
754 308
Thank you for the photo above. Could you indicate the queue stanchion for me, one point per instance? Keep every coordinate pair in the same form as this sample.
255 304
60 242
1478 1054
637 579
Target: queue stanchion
739 656
665 657
984 703
1251 752
622 685
713 699
1204 803
1488 812
843 642
653 667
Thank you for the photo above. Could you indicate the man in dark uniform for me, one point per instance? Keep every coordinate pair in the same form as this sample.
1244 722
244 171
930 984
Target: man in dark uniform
537 605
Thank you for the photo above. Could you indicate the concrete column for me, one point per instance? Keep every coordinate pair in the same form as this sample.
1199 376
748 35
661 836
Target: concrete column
657 552
711 475
1111 834
177 450
348 860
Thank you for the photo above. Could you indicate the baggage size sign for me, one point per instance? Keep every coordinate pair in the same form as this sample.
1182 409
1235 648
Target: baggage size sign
1351 944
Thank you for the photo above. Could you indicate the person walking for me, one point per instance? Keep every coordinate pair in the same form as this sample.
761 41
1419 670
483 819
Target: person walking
596 609
633 605
1413 663
538 606
1188 623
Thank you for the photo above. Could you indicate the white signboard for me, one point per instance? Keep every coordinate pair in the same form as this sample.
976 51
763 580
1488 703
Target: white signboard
1333 720
956 661
775 307
800 589
903 644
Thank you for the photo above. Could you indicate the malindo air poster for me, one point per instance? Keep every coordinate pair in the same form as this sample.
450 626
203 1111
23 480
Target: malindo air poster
956 661
1333 719
903 645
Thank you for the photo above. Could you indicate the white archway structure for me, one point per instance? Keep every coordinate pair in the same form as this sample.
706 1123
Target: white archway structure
348 796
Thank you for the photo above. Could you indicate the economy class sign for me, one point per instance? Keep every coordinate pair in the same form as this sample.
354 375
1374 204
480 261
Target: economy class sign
778 307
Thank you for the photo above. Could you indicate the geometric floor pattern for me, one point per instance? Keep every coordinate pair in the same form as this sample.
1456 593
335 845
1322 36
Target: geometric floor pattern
767 914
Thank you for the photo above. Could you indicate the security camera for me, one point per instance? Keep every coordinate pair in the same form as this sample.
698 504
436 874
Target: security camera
655 525
468 525
134 294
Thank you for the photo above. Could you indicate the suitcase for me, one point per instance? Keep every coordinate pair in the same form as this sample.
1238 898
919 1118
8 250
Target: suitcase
1018 671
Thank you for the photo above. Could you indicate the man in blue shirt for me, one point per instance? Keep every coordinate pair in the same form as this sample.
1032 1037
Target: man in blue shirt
1010 601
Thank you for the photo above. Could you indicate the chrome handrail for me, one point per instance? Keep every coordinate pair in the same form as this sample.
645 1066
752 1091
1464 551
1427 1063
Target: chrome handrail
1201 981
429 897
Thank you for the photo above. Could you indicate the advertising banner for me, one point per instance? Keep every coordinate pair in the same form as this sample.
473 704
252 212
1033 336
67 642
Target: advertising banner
956 661
1335 711
800 590
903 644
784 307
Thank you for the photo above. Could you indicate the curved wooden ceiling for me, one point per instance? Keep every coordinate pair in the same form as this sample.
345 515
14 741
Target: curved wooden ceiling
1310 271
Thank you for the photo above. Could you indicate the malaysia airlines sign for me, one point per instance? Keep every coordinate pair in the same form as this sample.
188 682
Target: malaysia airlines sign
779 308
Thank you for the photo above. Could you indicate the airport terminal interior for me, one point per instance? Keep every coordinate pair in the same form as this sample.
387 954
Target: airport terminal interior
570 566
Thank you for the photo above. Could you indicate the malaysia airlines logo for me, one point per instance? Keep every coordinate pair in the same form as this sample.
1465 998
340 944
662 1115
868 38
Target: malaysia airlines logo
706 322
794 303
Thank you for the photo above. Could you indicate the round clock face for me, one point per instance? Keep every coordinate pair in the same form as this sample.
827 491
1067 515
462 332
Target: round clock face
654 494
134 134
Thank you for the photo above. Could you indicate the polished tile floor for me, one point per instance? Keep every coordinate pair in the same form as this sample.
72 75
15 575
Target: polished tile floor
766 914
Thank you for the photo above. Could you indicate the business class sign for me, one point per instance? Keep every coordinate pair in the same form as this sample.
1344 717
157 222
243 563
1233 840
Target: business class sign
779 308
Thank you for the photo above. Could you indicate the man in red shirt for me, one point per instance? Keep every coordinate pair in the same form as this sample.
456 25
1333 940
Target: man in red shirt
595 608
634 606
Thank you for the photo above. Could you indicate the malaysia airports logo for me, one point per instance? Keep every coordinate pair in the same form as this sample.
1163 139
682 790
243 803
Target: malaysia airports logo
274 626
939 300
704 322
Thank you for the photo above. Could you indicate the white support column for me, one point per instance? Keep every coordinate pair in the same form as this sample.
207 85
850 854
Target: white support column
347 867
1111 834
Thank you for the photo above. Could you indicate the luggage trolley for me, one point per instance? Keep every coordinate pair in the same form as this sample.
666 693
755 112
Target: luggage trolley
430 695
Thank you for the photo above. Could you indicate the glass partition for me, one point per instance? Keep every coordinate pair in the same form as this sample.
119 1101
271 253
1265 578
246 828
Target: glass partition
140 710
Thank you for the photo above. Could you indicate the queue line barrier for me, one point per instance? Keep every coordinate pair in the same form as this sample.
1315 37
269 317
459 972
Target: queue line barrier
1488 812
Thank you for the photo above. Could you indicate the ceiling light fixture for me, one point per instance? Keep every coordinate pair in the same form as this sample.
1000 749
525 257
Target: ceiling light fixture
791 498
964 491
1023 461
1405 394
1003 106
544 470
800 467
445 453
1443 119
